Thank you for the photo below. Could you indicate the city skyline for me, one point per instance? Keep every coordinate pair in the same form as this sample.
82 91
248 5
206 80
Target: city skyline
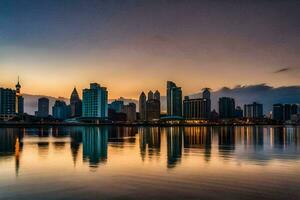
248 43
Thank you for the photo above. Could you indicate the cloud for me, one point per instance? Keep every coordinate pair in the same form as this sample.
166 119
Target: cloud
282 70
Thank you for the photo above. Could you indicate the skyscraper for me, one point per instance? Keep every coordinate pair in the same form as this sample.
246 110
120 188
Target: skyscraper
174 99
19 99
43 107
60 110
277 113
94 101
226 107
157 95
130 111
75 104
153 109
116 105
254 110
7 102
150 95
197 108
142 106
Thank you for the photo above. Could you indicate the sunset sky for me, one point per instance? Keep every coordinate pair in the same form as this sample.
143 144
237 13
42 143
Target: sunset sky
134 45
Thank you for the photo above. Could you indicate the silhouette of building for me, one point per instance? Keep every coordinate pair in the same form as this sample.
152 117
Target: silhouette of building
150 95
130 111
284 112
226 107
60 110
94 101
142 106
153 109
75 104
157 95
116 105
43 107
254 110
277 113
238 112
197 108
7 102
19 99
174 99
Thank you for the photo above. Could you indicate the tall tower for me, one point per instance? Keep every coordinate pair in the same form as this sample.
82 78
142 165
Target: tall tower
206 93
150 95
142 106
157 95
174 99
19 99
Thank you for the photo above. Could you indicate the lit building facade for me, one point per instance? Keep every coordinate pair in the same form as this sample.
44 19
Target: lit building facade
254 110
95 101
174 100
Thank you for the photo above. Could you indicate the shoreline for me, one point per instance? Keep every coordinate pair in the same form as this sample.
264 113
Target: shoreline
24 124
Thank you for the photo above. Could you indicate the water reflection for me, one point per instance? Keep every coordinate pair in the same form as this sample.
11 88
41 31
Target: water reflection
252 143
94 142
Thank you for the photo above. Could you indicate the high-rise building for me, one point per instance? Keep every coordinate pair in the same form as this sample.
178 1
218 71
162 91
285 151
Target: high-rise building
130 111
254 110
60 110
153 109
94 101
7 102
19 99
284 112
43 107
75 104
238 112
196 108
226 107
150 95
287 112
174 99
277 113
142 106
206 93
116 105
157 95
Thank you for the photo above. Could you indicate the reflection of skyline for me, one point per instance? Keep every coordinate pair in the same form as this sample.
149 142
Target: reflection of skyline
198 137
226 141
150 139
250 143
94 142
174 145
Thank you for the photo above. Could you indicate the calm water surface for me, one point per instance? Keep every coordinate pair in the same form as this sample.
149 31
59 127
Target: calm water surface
150 163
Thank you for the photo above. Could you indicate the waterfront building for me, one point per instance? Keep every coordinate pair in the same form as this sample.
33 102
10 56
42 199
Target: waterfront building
142 106
7 102
19 99
150 95
238 112
116 105
284 112
130 111
226 107
75 104
94 101
197 108
43 107
277 113
153 109
287 111
60 110
254 110
174 99
157 95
